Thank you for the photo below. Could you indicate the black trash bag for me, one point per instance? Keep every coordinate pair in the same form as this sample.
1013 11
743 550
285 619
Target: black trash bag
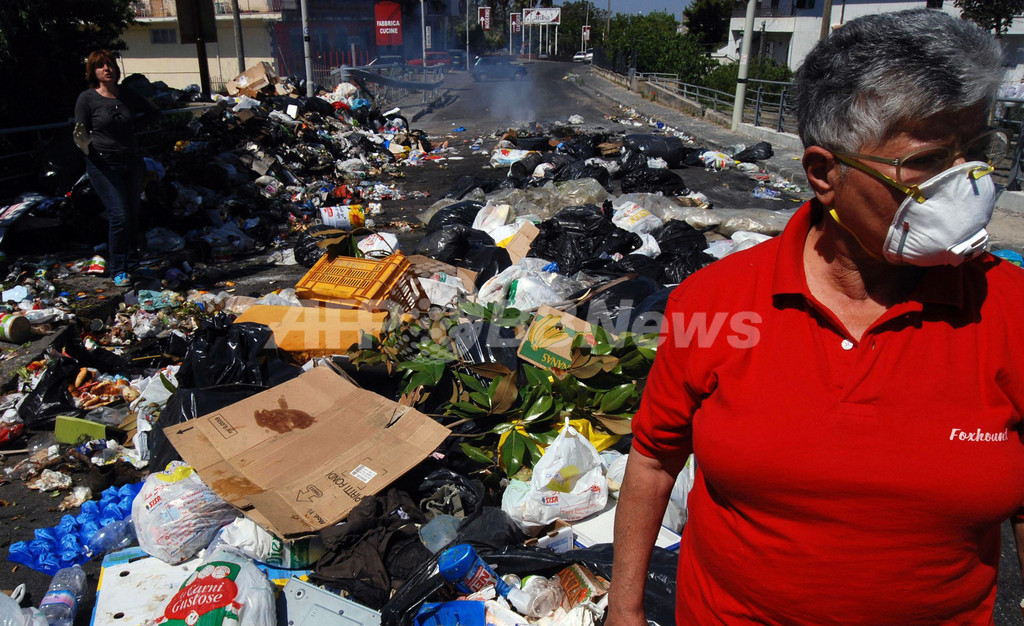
637 264
693 158
679 267
468 183
50 397
376 551
659 591
523 168
486 260
613 307
579 169
658 147
651 180
470 491
581 147
678 237
577 234
99 358
490 530
222 353
451 244
486 346
188 404
631 161
647 317
760 151
540 144
459 213
318 105
318 240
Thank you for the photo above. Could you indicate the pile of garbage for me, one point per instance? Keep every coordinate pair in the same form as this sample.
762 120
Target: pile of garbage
411 434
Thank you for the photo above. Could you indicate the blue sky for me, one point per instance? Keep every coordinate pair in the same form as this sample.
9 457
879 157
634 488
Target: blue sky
644 6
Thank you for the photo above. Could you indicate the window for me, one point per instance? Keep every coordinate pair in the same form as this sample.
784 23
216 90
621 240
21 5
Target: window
163 35
934 4
805 4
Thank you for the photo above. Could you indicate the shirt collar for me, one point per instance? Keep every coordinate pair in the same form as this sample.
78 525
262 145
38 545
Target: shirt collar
939 285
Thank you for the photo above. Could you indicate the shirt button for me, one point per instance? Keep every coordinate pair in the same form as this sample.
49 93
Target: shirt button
847 344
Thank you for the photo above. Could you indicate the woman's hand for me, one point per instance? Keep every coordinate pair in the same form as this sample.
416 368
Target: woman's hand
624 617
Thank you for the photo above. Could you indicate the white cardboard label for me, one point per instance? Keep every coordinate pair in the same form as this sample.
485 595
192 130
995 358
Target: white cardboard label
363 473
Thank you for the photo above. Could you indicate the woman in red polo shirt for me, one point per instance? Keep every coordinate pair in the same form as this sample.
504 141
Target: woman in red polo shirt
858 432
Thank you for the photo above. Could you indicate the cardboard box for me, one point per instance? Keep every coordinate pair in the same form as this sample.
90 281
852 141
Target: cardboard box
521 242
548 340
559 538
600 528
580 585
305 453
315 331
253 80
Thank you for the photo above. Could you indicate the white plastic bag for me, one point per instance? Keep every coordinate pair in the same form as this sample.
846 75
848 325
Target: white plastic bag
634 218
568 482
227 589
176 514
650 247
675 512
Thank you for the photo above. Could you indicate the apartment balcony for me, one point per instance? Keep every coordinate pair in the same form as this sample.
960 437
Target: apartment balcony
168 8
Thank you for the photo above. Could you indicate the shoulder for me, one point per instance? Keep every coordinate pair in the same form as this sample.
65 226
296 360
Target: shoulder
87 95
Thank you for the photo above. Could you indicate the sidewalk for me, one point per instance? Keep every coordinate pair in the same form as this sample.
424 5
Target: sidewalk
1006 230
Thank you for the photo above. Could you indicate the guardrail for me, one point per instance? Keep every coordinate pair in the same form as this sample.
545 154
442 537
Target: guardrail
24 149
767 103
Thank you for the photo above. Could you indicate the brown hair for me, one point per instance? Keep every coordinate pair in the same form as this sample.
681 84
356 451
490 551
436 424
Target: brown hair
96 60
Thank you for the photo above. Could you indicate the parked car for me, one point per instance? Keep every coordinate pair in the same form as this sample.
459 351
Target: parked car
458 59
434 58
583 57
388 59
499 66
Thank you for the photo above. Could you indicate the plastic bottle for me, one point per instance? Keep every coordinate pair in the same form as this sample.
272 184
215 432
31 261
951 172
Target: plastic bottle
461 565
60 603
113 536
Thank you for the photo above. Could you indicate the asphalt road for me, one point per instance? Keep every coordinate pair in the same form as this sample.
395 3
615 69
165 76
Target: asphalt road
485 110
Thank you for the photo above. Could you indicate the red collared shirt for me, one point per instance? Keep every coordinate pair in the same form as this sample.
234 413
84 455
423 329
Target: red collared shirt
840 480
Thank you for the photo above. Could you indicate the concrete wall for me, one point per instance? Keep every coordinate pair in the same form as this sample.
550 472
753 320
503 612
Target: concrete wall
176 63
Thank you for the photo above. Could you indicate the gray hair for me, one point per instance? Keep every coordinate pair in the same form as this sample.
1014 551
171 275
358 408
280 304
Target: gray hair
877 72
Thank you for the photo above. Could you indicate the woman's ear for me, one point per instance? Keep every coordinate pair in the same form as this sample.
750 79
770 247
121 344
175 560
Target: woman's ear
822 171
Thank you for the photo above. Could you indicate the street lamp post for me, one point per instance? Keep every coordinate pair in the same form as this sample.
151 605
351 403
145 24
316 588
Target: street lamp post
423 39
741 80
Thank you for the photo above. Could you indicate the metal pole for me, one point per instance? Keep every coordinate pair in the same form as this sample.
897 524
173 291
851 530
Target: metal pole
510 34
423 39
204 63
826 19
467 35
305 48
741 79
239 49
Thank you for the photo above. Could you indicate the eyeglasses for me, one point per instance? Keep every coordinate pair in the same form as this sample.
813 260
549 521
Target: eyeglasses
918 166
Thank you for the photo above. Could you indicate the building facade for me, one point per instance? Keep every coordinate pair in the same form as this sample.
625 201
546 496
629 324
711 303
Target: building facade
786 30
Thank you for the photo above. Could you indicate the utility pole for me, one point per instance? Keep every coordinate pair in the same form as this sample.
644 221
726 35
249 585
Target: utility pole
826 19
423 42
607 22
741 80
467 35
305 48
239 50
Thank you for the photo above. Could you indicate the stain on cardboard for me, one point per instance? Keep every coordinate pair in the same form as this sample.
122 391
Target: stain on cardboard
283 420
234 487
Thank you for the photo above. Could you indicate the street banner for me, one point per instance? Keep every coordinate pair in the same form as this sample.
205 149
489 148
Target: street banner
539 16
514 21
586 33
484 17
389 23
428 39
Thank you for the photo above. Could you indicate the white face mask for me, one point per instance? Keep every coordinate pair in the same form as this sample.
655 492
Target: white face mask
948 227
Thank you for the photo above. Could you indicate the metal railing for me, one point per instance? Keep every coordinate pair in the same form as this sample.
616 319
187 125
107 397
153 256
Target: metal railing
25 150
767 103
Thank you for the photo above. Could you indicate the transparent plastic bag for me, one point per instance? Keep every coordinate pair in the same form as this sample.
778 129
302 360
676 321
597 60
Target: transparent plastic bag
568 482
176 514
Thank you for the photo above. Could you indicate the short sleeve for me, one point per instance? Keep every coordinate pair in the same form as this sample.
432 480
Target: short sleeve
662 427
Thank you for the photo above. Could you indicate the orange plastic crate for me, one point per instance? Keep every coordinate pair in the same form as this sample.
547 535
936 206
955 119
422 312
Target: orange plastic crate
363 283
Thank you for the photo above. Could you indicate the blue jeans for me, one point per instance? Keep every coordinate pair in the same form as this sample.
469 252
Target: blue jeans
117 180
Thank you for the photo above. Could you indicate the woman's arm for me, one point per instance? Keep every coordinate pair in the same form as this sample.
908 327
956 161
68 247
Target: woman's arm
645 493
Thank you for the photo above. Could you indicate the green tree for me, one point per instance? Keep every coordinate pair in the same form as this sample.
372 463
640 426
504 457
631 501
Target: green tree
43 45
657 46
574 15
723 78
708 21
994 15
